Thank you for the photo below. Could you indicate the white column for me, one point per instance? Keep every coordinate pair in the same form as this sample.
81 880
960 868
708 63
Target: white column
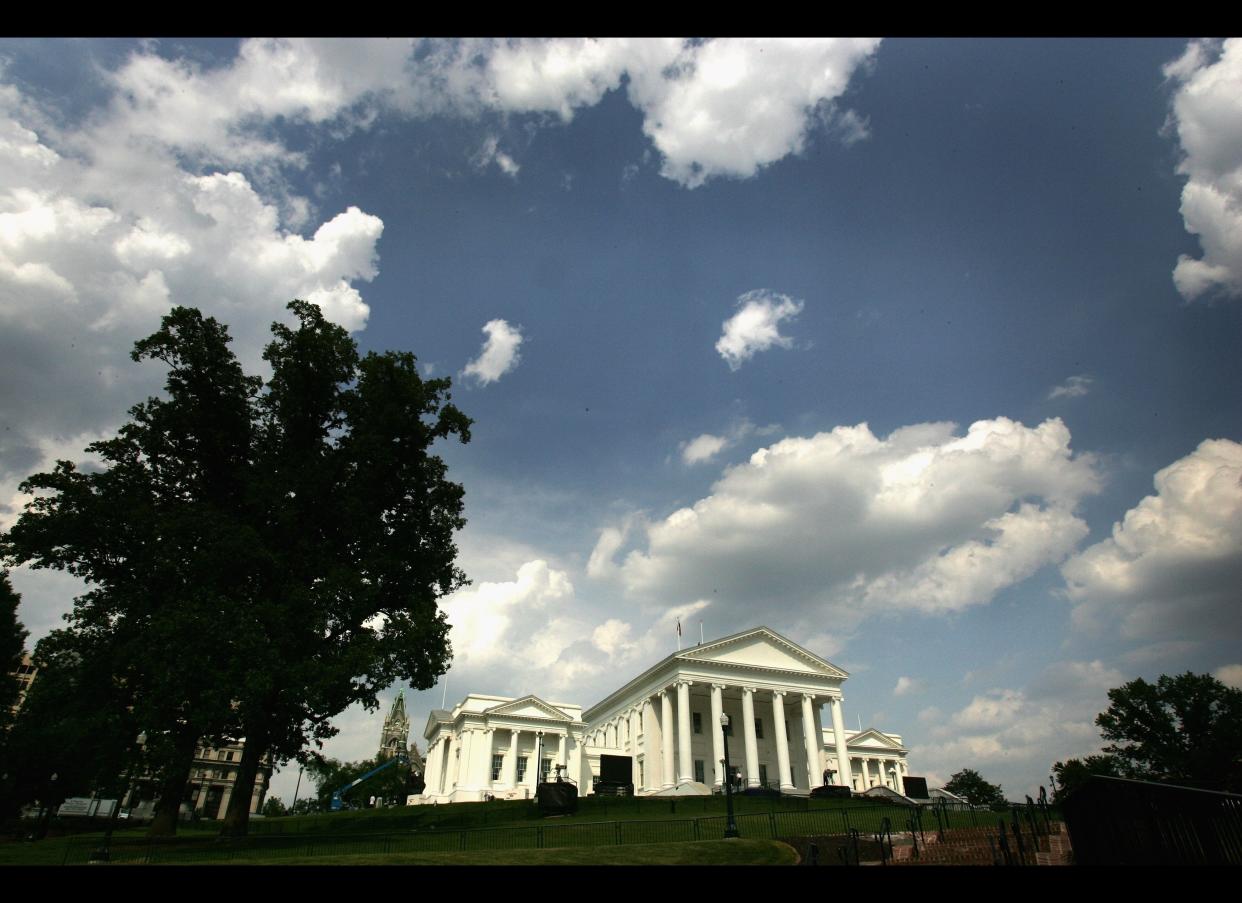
866 770
575 765
532 765
782 739
748 729
845 773
648 750
814 777
451 746
666 739
433 767
717 735
510 772
463 778
685 766
483 758
560 751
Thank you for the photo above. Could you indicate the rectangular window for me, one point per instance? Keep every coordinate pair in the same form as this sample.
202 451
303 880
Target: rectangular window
545 766
228 756
498 762
758 728
521 769
763 775
698 771
698 722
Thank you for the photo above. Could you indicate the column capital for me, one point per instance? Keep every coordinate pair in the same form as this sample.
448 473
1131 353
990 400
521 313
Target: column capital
750 690
810 697
779 694
716 686
683 682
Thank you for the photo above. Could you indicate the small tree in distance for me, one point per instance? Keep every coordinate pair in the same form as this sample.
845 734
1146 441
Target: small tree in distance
970 786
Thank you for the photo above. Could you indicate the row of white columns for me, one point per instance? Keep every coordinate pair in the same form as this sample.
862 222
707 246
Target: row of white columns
679 768
897 772
445 764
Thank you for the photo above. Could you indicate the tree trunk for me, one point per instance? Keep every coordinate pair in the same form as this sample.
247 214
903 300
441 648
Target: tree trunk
237 817
172 788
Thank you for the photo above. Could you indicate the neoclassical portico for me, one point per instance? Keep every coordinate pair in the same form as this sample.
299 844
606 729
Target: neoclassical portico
500 747
667 720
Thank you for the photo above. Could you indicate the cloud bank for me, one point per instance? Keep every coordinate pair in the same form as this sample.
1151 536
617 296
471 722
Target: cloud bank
1207 114
1173 565
844 525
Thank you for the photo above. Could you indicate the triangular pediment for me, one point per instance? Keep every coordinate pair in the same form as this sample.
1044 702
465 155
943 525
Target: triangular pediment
873 739
529 707
763 648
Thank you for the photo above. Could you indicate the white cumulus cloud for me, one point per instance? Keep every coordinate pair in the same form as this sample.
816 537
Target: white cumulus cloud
1207 113
1173 565
104 227
756 326
1230 675
845 524
499 354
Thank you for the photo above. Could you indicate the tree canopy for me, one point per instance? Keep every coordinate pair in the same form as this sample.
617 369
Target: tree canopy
1185 730
1073 773
259 556
12 645
970 786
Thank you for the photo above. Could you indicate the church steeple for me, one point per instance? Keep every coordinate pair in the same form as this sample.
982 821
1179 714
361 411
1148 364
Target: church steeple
396 729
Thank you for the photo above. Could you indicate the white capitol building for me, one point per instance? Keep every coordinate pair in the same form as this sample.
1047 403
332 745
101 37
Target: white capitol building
661 731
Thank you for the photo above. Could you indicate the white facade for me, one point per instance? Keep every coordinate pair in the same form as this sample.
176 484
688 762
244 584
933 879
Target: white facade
491 745
666 722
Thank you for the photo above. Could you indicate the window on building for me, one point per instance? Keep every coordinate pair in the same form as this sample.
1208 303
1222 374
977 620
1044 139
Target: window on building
641 782
698 771
521 769
228 755
763 775
545 766
498 762
758 728
698 722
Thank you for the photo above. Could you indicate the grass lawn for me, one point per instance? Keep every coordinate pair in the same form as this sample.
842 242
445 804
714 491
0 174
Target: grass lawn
706 852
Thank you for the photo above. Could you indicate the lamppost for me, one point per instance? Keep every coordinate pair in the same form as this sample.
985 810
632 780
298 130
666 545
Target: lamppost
731 825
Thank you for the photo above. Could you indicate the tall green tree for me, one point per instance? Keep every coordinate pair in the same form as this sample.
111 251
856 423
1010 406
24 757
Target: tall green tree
12 645
970 786
356 519
258 558
158 535
1185 729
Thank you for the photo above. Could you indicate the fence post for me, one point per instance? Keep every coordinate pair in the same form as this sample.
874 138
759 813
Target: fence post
772 824
696 829
617 831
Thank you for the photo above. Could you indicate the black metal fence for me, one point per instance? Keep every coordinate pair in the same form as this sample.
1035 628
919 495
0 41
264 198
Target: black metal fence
1114 821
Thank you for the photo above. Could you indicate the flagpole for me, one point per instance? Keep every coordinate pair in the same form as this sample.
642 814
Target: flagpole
700 633
679 634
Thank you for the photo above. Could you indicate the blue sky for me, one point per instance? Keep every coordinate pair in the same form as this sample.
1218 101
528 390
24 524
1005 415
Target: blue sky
921 352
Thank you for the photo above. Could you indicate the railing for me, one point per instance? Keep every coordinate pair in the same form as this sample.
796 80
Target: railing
1113 821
